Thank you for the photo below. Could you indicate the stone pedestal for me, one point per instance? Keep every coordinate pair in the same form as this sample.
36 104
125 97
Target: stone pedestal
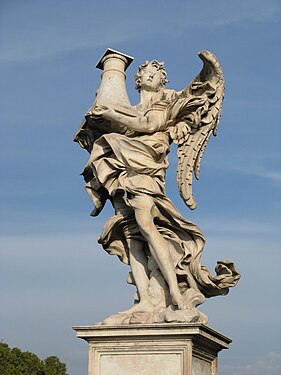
166 349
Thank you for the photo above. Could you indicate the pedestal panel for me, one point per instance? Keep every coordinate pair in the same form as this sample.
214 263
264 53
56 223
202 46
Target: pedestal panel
166 349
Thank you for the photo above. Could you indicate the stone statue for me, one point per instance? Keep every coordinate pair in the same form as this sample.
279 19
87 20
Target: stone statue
128 147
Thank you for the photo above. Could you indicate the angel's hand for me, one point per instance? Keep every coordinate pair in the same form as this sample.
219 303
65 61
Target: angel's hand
180 132
101 111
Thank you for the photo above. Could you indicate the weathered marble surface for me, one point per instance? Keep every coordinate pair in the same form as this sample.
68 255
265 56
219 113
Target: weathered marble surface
129 148
166 349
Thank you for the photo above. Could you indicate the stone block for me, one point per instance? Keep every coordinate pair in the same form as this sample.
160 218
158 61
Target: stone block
166 349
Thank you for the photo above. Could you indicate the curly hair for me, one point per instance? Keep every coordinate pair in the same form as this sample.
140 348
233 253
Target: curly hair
159 65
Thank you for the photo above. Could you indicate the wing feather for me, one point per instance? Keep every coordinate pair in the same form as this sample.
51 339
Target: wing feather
204 97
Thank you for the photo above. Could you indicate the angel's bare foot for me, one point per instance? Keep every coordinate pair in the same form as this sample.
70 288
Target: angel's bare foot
145 307
116 319
142 306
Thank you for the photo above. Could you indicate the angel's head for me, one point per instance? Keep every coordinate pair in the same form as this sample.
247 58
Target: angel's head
151 76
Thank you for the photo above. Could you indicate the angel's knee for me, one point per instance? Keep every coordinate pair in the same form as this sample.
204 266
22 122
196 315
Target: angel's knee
145 222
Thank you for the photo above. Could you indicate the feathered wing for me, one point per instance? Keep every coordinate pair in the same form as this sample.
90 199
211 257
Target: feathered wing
195 117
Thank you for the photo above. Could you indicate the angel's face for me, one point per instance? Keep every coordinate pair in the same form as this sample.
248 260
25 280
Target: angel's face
151 78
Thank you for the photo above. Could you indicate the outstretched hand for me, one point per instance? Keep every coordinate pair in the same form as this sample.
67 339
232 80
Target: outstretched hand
101 111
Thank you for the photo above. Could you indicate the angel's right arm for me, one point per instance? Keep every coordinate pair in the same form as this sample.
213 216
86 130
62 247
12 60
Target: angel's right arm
148 123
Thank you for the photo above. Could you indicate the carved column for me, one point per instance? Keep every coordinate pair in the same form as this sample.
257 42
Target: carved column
112 87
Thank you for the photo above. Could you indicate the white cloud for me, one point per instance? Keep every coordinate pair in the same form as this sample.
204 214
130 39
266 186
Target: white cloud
269 365
241 227
273 176
259 165
55 28
251 10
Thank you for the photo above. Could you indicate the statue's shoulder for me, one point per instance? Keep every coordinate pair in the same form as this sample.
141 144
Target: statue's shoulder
163 98
169 95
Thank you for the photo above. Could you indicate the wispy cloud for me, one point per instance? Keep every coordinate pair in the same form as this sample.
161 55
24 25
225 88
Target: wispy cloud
269 365
272 176
251 10
259 165
92 25
242 227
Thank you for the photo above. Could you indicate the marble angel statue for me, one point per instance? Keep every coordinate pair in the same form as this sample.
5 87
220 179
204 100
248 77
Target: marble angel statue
129 147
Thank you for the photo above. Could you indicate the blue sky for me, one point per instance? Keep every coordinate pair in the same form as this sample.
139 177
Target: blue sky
53 273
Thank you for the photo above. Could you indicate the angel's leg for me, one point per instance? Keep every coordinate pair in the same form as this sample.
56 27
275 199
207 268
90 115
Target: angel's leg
138 261
138 264
145 212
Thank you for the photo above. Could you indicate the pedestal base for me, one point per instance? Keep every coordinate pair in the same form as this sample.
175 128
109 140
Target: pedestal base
166 349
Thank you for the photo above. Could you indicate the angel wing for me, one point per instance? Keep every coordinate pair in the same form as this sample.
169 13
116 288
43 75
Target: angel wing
196 117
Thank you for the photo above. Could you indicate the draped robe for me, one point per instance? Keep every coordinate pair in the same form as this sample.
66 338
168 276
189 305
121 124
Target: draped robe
122 166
